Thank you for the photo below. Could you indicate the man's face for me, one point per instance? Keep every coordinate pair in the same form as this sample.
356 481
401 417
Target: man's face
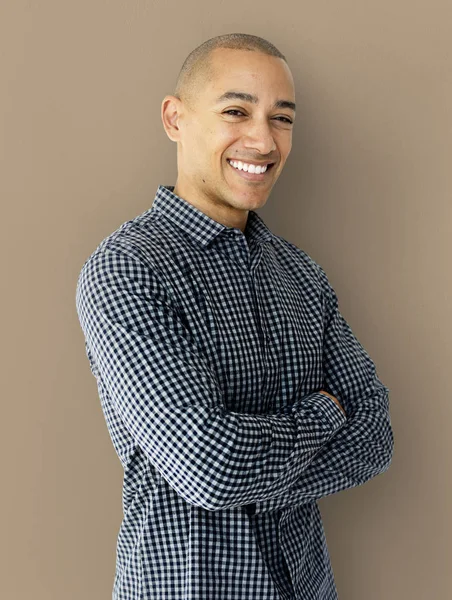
234 128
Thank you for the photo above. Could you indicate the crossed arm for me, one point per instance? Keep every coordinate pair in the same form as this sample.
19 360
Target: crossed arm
363 447
168 397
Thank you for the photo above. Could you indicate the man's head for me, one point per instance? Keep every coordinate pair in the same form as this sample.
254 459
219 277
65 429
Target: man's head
254 127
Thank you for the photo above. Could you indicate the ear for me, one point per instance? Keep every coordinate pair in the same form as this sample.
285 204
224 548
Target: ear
170 113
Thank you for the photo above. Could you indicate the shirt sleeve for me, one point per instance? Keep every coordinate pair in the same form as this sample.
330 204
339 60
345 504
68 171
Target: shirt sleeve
166 393
364 446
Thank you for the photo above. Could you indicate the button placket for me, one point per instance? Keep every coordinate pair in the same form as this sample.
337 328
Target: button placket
261 323
238 248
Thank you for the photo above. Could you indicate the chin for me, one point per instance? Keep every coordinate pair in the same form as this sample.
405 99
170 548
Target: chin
246 201
254 203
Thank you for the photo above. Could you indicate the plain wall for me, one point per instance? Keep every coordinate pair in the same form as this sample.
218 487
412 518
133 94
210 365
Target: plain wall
366 192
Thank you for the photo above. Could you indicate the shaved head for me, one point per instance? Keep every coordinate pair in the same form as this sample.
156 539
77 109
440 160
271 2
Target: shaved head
197 69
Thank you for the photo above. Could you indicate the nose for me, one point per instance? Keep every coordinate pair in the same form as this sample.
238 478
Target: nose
259 136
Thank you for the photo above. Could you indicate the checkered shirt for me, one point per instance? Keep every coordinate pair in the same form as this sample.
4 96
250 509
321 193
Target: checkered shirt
210 346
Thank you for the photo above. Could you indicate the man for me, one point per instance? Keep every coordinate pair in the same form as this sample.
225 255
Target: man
235 393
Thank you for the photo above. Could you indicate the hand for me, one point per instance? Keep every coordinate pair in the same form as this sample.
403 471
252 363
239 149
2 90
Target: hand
333 398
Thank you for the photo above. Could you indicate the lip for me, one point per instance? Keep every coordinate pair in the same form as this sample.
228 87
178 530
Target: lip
251 176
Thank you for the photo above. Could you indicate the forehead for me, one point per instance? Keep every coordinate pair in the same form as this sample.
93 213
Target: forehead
250 71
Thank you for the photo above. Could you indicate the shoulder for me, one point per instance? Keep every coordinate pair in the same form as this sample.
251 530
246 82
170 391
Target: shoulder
132 253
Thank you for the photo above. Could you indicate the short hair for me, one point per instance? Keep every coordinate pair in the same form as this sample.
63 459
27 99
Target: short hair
197 68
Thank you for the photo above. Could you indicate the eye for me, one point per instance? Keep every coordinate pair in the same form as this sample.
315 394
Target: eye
234 110
286 119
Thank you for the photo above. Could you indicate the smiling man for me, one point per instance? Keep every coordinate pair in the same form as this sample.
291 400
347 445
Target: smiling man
232 119
235 393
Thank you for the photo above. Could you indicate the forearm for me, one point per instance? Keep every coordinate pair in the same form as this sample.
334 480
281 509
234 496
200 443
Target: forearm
362 449
218 459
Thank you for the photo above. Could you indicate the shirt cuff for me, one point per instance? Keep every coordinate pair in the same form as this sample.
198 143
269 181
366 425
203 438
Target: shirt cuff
330 409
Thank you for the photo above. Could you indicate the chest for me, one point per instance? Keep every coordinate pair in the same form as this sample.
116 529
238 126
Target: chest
259 320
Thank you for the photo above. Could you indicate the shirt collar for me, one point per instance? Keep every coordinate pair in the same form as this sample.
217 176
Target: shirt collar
202 228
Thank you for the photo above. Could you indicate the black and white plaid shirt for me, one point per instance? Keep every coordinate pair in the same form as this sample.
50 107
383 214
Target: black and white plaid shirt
209 347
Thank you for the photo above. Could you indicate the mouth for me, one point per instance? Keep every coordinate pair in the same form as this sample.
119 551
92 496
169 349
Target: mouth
252 176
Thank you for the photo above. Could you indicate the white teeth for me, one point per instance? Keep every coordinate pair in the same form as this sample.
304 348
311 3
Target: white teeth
248 167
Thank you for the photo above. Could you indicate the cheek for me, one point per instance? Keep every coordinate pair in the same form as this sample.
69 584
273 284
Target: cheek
287 142
226 134
284 147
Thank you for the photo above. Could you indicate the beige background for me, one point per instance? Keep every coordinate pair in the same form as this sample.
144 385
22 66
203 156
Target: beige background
366 192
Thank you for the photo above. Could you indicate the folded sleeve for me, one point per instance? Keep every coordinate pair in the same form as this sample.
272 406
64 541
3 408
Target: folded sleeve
166 393
364 446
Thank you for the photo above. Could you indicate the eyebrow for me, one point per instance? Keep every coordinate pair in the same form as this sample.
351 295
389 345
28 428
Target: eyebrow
233 95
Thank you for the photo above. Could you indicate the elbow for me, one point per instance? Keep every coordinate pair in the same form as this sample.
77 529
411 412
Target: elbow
387 450
212 506
382 436
386 439
221 491
377 459
217 492
195 495
384 451
208 501
216 496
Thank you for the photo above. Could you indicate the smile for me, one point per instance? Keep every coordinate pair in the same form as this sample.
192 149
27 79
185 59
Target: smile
250 171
